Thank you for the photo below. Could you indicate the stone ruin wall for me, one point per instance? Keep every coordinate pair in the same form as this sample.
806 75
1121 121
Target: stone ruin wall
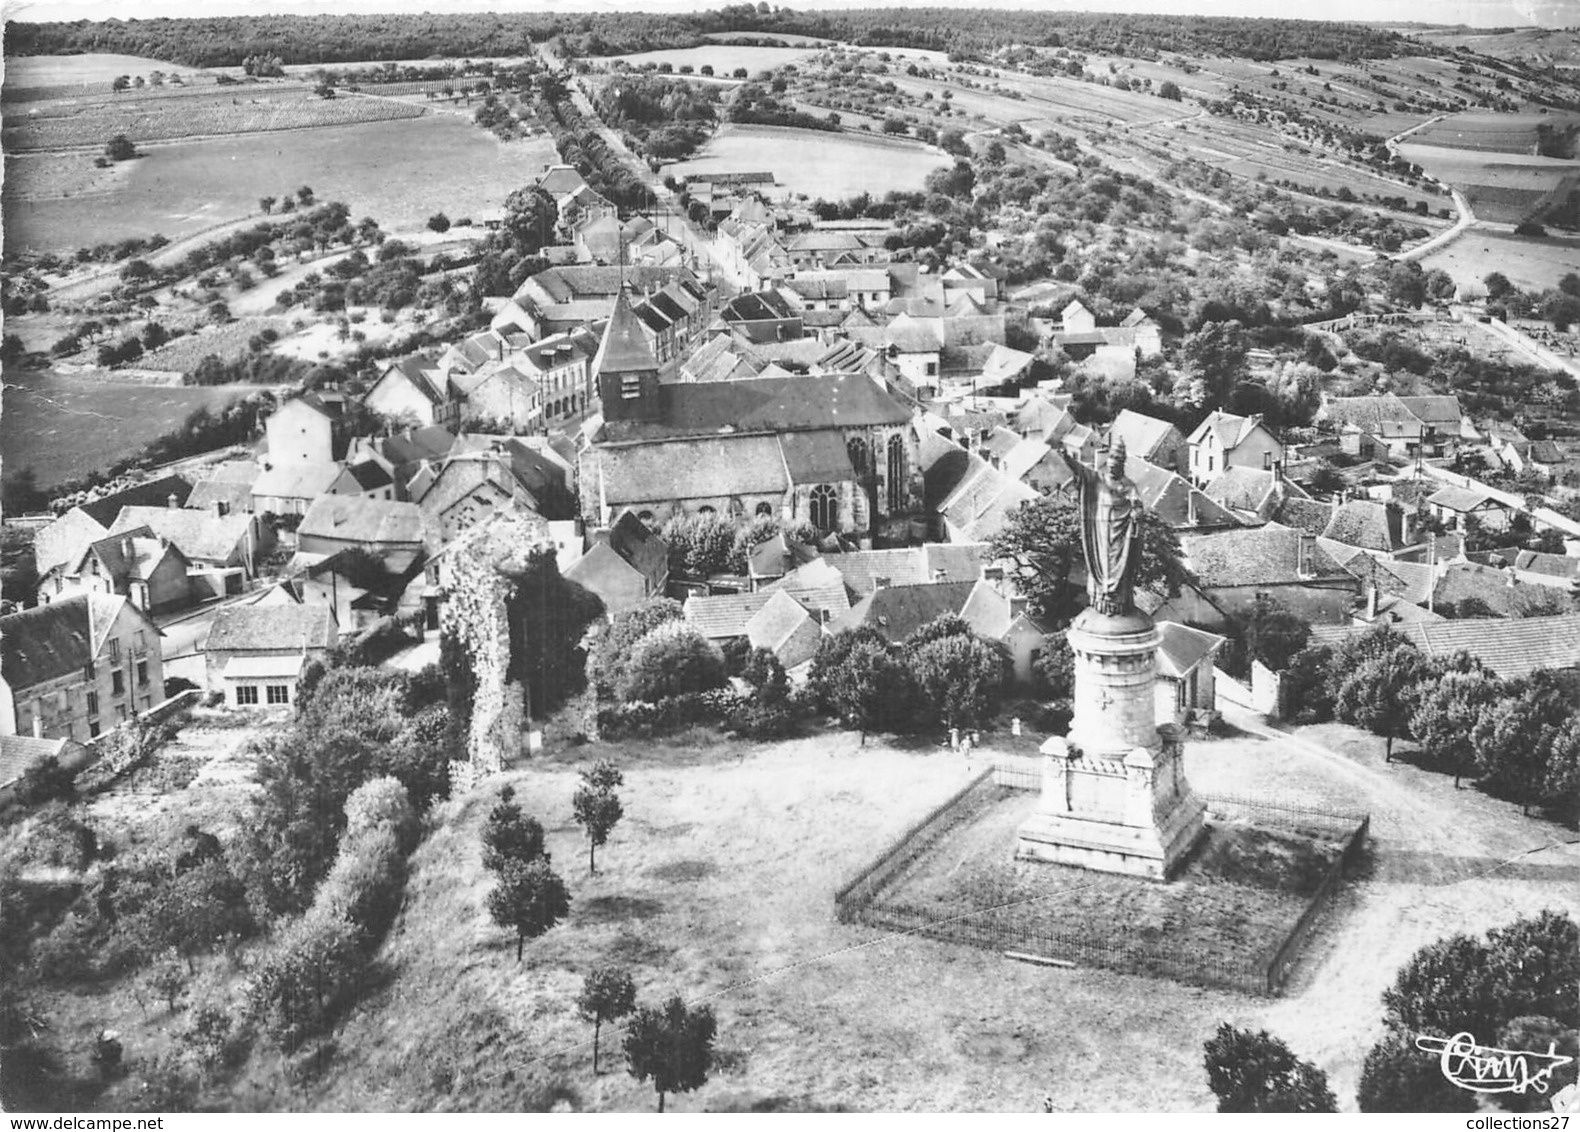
474 610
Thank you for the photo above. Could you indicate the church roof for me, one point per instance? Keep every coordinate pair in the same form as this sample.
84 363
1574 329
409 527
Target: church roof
624 348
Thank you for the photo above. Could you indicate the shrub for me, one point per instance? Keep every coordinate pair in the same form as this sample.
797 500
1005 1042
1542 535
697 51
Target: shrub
672 660
305 977
369 875
673 714
58 837
613 651
44 780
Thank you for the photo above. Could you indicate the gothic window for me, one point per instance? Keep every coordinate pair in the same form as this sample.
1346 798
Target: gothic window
765 510
897 474
824 507
860 458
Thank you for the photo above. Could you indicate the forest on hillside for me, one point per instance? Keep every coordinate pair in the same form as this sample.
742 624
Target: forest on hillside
227 41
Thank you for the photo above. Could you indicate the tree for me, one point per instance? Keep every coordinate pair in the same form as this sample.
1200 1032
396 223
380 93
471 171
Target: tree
1380 694
1513 737
44 780
596 806
869 688
304 195
530 217
1274 634
1043 539
613 652
1170 90
1498 286
120 83
509 835
672 660
266 204
530 897
1446 715
672 1045
120 148
960 677
1258 1073
439 222
1397 1076
607 995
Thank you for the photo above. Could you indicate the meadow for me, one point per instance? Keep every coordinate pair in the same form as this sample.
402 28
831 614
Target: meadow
1527 262
1503 187
724 58
398 172
828 165
62 425
84 70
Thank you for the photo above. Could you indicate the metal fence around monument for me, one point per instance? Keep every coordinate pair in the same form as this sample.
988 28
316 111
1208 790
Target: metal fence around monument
861 900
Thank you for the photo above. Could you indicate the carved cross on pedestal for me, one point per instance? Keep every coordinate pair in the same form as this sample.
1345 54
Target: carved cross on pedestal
1104 700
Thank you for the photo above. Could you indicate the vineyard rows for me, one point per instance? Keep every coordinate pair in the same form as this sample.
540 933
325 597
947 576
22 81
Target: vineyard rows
93 127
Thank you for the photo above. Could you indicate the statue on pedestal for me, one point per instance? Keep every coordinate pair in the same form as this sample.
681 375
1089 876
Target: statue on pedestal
1110 533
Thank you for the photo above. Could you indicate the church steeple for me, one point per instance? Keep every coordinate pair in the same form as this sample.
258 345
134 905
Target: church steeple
625 367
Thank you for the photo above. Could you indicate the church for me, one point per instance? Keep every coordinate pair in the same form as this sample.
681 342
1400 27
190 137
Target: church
835 450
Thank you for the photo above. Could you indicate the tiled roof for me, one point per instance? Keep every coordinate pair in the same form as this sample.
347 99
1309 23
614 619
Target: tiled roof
1303 514
201 536
18 752
1181 648
358 519
1242 489
1557 565
1383 415
1511 648
697 468
780 616
1144 436
153 493
1366 524
992 614
720 616
816 585
294 481
1267 555
816 457
1174 499
898 611
1439 411
766 405
642 548
1228 429
1461 498
1460 581
758 306
912 565
54 639
369 475
247 628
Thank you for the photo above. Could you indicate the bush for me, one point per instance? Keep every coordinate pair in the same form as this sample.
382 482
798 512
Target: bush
314 968
672 660
613 651
368 879
44 780
58 837
673 714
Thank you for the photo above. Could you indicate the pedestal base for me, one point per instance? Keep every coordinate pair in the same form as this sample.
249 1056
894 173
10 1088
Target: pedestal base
1154 851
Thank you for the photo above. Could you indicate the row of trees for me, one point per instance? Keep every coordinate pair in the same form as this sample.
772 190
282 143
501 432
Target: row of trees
1519 737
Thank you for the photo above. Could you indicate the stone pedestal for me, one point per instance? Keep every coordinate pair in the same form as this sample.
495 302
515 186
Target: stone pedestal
1114 793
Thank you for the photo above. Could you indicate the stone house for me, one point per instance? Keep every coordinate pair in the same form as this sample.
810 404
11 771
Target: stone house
625 565
1147 438
304 430
78 666
415 389
87 522
394 532
785 628
1455 505
1224 441
136 564
996 612
255 653
1186 683
220 550
1234 567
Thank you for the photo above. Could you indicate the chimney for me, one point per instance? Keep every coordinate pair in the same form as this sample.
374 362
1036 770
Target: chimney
126 547
221 508
1431 549
1371 600
1513 578
824 615
1190 506
38 724
172 502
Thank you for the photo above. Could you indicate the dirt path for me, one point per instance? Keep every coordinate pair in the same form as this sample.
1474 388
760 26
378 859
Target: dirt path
1443 861
76 290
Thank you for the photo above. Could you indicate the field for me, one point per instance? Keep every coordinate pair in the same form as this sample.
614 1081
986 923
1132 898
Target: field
86 70
65 124
828 165
399 173
722 57
1492 133
1502 187
1529 263
62 425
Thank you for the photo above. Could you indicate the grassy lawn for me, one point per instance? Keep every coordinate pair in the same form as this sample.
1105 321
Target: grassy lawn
1230 907
61 425
54 70
828 165
400 173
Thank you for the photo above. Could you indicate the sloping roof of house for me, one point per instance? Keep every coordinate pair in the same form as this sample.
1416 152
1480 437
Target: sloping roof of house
1440 411
758 306
249 628
51 640
1509 647
1144 436
1181 648
1174 499
1462 499
1366 524
695 468
780 616
1303 514
816 457
153 493
1557 565
992 614
1267 555
355 518
295 481
200 535
720 616
642 548
1384 415
18 752
911 565
1228 429
898 611
816 585
368 475
1242 489
786 404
